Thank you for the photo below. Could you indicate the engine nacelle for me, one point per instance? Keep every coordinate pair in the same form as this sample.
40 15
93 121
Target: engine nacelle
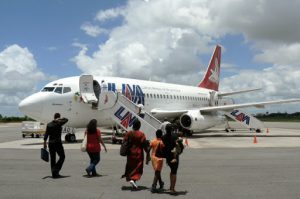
194 120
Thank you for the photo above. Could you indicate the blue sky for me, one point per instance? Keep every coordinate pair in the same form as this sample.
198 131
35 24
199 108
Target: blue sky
48 29
169 41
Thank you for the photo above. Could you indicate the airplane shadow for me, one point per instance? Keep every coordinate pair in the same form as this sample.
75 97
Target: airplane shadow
215 134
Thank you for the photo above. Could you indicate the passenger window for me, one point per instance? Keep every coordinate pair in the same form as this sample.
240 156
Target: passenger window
47 89
67 89
58 90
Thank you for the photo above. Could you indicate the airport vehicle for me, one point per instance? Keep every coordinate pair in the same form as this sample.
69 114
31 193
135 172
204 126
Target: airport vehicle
32 129
192 108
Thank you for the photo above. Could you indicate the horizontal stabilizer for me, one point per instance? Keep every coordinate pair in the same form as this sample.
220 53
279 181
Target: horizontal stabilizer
237 92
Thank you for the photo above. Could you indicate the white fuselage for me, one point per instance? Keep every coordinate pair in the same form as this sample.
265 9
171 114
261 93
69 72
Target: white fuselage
63 96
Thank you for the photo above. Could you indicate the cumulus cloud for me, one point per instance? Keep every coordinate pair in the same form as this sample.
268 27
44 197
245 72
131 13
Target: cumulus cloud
277 82
285 54
92 30
166 39
104 15
19 75
160 43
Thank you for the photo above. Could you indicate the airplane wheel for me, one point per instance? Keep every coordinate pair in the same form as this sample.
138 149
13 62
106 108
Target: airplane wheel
32 135
114 140
37 135
258 130
188 133
67 137
72 138
23 135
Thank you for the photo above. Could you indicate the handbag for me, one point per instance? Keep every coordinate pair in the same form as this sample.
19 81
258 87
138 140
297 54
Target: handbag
84 143
160 151
44 155
125 147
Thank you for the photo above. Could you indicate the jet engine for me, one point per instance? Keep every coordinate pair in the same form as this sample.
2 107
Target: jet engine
194 120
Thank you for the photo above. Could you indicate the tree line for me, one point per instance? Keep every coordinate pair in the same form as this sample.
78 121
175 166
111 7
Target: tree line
14 119
284 117
276 117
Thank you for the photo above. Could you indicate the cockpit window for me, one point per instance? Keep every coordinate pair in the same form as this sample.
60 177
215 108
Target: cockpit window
48 89
58 90
67 89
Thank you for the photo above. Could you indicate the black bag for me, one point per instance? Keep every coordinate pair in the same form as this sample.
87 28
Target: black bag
125 147
180 145
160 151
44 155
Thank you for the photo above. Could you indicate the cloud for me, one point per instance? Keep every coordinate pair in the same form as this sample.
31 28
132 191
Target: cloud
259 20
52 48
285 54
19 75
166 39
92 30
104 15
161 45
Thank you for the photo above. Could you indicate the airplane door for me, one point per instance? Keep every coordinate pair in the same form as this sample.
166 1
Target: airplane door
212 98
86 89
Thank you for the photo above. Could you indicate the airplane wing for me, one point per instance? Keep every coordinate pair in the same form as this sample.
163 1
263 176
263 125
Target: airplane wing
160 113
253 104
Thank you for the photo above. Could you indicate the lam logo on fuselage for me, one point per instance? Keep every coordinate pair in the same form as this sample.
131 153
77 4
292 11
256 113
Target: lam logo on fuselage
132 92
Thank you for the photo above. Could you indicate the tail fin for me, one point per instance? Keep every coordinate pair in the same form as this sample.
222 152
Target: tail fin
211 78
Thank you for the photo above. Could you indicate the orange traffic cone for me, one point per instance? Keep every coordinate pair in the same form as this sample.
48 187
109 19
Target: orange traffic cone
255 139
186 141
267 130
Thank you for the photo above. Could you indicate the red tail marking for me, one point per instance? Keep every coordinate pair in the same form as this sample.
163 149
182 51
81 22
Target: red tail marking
211 78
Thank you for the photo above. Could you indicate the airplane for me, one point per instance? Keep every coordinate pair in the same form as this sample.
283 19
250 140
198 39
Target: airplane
193 108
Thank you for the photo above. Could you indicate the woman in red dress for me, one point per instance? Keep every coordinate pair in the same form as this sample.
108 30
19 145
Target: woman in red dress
93 147
135 159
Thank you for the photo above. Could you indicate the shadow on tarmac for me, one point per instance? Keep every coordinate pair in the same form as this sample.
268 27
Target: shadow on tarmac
141 188
55 178
130 188
178 193
96 176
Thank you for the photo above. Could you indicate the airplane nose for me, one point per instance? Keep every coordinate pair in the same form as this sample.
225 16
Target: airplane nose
31 106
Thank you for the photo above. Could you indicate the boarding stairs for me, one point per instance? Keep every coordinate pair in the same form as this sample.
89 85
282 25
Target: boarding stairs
245 119
121 110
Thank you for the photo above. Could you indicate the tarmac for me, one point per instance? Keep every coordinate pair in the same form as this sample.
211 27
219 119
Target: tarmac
215 164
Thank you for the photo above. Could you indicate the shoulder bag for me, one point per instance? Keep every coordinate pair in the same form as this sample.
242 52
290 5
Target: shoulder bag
84 143
125 146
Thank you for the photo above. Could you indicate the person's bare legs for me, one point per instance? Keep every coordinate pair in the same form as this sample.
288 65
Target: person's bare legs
173 178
